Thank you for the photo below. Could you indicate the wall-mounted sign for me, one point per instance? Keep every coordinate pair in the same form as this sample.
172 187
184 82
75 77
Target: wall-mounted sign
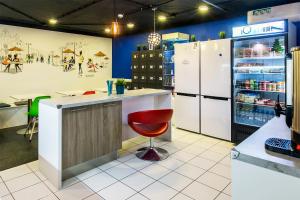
288 12
261 11
259 29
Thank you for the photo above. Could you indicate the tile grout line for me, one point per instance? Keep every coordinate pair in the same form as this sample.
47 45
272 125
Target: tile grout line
18 176
26 188
225 188
49 189
223 192
9 192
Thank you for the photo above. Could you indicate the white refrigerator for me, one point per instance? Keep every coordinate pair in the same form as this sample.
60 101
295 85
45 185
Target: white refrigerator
216 88
187 86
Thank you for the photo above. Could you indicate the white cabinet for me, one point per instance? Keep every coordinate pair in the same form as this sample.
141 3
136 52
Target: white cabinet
216 117
251 182
187 68
187 112
215 68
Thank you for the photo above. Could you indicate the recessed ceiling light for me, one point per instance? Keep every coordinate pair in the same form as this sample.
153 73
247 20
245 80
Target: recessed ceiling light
107 30
203 8
120 15
130 25
162 18
52 21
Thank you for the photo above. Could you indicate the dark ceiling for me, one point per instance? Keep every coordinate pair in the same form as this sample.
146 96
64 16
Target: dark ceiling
92 16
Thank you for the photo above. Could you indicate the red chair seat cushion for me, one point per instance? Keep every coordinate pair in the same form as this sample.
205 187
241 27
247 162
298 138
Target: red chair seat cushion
150 123
149 130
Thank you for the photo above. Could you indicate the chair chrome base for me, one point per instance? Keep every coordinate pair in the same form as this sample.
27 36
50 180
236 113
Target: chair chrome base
152 153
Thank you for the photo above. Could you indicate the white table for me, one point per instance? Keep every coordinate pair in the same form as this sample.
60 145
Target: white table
24 97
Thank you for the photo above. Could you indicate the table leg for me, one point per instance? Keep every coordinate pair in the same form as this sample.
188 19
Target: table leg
29 105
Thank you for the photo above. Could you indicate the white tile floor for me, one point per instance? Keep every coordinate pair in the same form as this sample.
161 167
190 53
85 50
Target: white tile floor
198 168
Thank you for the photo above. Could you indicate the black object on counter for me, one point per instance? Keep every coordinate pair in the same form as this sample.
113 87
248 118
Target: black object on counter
278 108
4 105
282 146
289 116
21 103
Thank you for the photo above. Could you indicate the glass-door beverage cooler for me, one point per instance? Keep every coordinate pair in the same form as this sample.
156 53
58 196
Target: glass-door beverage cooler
168 41
258 75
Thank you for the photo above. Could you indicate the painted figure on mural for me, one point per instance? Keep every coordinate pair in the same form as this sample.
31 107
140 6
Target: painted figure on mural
7 61
71 63
92 65
17 63
80 61
65 64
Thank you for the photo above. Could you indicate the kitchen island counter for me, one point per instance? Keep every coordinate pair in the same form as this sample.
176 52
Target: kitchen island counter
261 174
253 151
79 133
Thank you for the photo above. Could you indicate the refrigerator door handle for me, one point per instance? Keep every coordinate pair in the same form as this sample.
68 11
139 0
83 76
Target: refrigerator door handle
186 94
216 98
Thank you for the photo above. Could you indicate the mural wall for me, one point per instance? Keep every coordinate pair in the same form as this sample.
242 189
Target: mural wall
41 61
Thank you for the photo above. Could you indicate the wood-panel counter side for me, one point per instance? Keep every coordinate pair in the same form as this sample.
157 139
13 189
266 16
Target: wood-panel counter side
90 132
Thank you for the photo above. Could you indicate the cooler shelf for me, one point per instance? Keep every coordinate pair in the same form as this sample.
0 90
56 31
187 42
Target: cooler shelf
248 90
254 104
261 58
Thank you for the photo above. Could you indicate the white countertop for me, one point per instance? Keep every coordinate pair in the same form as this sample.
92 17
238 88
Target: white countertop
74 101
253 151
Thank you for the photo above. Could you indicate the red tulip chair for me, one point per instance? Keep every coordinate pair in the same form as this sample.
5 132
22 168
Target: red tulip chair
151 123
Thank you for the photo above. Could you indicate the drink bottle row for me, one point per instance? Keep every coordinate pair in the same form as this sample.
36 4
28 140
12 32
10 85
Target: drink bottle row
252 84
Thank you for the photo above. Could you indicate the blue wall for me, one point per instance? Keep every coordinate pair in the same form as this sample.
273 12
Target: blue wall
298 33
124 46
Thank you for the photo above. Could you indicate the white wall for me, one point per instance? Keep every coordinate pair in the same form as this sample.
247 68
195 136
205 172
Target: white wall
45 78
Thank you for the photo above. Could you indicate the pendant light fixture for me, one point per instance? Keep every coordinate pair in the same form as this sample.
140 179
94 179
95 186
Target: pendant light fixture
154 38
115 27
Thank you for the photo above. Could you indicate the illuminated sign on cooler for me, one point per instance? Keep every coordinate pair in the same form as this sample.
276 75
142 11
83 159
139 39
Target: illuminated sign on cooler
259 29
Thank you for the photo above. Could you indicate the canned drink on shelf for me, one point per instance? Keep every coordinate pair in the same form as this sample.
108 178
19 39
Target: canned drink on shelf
256 85
268 86
274 86
247 84
252 84
263 85
280 86
238 84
